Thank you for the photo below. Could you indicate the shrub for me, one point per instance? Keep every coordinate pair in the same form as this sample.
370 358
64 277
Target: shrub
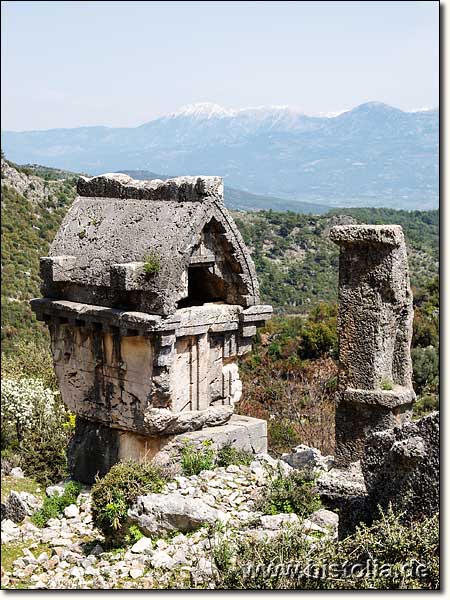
282 435
54 506
425 329
26 405
152 264
293 493
43 457
32 358
426 404
114 494
231 456
195 459
319 335
133 535
291 562
37 427
425 367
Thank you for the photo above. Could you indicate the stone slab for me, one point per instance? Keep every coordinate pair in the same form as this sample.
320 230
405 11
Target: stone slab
387 398
391 235
94 449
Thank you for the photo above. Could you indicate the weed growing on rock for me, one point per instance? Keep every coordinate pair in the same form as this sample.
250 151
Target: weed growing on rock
54 506
152 264
134 535
232 456
387 384
195 459
293 493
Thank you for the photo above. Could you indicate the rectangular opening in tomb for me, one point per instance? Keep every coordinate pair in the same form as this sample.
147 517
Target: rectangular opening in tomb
203 286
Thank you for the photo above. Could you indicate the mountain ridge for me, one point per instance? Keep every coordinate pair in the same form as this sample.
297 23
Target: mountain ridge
371 155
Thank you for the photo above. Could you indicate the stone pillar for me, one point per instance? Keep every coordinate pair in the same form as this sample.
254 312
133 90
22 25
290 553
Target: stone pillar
375 329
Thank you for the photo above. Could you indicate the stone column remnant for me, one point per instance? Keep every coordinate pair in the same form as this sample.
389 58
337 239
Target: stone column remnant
150 296
375 329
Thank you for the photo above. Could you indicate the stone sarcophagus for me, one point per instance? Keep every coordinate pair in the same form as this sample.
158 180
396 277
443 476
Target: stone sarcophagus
150 296
375 329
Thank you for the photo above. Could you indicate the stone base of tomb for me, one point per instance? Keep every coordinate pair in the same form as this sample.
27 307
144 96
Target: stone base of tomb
95 448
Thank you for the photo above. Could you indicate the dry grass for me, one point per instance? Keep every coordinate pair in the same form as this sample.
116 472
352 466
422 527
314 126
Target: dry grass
296 399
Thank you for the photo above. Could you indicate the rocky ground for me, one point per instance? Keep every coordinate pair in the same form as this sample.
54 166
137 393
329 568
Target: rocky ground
68 553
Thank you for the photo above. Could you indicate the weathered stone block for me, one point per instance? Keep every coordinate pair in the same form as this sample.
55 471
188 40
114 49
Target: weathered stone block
109 446
160 514
401 467
144 356
57 268
375 329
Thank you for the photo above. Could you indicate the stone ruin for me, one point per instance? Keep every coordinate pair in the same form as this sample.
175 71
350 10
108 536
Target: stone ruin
375 329
382 457
150 296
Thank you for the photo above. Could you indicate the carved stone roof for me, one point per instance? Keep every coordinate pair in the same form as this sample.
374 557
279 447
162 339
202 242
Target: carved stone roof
116 225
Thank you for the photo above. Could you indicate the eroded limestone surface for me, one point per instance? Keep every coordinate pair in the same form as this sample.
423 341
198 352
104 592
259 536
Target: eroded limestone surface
401 468
375 330
150 296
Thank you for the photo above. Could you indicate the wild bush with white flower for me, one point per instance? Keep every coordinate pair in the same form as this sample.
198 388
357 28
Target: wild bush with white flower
36 428
27 404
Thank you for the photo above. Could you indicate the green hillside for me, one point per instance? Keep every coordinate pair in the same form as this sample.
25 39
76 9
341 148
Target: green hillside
289 378
296 263
28 226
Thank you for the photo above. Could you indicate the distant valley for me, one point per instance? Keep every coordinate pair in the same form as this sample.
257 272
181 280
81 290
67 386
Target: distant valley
270 157
297 264
246 201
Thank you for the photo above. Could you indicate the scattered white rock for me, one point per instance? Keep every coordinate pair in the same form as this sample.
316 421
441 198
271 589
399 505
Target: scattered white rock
189 504
17 472
9 526
142 546
135 573
55 490
325 518
279 521
309 526
161 559
72 511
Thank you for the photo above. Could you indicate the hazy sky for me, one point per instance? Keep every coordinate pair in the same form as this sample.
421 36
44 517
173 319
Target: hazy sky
67 64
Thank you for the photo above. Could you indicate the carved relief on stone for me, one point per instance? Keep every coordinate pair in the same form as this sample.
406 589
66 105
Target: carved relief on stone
150 296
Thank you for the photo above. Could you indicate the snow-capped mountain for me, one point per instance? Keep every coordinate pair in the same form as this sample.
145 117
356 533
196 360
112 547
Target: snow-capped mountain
374 154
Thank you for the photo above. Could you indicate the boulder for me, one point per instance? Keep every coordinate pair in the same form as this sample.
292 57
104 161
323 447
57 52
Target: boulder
326 519
304 457
161 559
344 490
19 505
159 514
142 546
279 521
401 467
342 482
71 511
9 527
